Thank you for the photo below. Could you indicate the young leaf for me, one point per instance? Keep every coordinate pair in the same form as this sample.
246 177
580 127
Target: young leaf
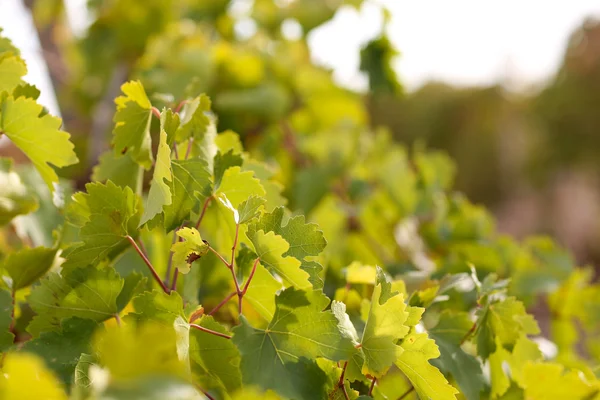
427 380
28 265
12 69
270 248
238 186
132 124
61 349
549 381
190 186
15 198
118 168
89 293
113 214
159 195
38 137
504 321
194 120
188 251
222 162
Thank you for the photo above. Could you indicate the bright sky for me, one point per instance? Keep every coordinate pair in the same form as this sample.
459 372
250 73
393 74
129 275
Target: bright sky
465 42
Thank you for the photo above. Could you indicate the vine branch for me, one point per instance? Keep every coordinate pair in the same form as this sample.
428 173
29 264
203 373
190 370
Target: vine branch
148 263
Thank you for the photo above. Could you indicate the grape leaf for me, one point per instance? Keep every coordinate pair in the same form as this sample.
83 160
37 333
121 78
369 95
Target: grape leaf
305 240
26 90
134 351
238 186
15 198
113 214
194 119
133 285
386 324
89 293
548 381
215 361
505 321
250 209
221 163
191 185
61 349
119 169
160 192
157 306
38 137
132 124
169 122
28 264
427 380
12 69
270 249
6 311
466 369
28 378
276 358
188 251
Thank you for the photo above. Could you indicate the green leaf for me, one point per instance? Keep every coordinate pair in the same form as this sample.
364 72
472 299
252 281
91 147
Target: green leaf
549 381
194 119
386 324
466 369
134 284
113 214
305 240
427 380
504 321
89 293
38 137
169 122
28 378
270 249
26 90
250 209
215 361
188 251
157 306
191 185
132 124
119 169
263 288
15 198
222 162
6 312
159 195
131 351
28 265
278 357
61 349
238 186
12 69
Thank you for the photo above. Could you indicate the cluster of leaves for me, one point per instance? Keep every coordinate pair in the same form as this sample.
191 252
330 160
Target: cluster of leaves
208 281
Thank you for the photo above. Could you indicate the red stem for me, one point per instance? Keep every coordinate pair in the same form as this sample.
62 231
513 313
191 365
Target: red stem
12 313
175 275
155 112
189 147
250 276
118 319
222 303
204 207
203 329
148 263
341 381
181 103
235 240
409 391
219 256
372 386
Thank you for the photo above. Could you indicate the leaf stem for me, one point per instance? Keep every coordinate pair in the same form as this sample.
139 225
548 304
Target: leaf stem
148 263
245 289
179 105
372 386
219 256
409 391
118 319
341 381
12 312
204 207
203 329
468 334
235 242
222 303
156 112
175 275
189 147
170 262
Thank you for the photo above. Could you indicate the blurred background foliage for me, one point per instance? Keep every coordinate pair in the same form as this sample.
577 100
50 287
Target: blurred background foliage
531 157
